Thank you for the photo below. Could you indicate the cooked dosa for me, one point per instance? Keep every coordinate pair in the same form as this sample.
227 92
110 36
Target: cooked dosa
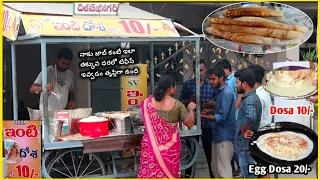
258 22
251 39
266 32
253 11
14 156
291 83
288 146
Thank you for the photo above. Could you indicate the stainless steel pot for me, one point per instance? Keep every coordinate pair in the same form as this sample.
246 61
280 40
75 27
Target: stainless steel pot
122 126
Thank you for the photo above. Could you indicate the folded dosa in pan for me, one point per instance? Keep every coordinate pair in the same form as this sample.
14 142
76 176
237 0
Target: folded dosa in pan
266 32
252 11
251 39
258 22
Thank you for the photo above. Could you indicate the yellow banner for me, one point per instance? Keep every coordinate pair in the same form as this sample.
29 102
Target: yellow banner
134 88
92 26
22 144
10 23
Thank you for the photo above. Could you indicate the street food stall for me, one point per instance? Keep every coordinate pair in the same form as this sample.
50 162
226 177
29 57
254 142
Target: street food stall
78 155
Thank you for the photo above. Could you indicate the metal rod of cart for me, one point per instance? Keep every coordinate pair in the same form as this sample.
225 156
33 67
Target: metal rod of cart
73 155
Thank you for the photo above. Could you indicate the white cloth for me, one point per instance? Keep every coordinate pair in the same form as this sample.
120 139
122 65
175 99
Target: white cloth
221 157
265 99
62 83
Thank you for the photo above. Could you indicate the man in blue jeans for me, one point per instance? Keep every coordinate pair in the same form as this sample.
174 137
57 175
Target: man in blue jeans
249 118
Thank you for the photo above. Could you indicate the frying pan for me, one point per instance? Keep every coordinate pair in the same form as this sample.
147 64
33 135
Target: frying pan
287 68
265 159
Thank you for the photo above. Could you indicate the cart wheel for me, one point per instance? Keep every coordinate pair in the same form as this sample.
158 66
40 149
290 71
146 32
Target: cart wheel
75 164
46 160
187 170
193 149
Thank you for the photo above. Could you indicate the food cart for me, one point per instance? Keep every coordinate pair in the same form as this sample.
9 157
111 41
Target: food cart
84 158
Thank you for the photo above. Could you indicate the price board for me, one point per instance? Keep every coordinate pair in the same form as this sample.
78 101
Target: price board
94 26
10 23
134 87
22 146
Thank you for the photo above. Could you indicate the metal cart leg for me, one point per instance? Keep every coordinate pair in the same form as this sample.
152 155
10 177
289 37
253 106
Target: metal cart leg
14 82
114 168
136 165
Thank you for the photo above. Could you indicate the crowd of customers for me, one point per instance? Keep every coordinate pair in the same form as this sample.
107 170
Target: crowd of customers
234 105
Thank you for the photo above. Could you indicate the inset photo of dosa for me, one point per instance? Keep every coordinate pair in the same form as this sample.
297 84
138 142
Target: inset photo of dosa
257 28
12 151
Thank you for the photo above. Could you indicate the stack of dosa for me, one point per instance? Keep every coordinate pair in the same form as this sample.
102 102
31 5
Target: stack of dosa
252 28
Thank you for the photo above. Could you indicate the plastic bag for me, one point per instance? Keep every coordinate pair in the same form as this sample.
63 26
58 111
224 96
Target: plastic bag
34 114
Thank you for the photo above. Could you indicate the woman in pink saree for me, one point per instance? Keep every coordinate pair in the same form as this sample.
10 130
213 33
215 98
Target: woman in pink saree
161 145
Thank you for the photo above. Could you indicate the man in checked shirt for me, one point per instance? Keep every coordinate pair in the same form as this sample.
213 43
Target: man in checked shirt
249 118
187 95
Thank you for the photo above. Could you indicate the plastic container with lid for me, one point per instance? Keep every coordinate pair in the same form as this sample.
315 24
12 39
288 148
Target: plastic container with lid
94 126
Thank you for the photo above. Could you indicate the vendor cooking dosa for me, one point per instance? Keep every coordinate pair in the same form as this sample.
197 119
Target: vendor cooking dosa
60 83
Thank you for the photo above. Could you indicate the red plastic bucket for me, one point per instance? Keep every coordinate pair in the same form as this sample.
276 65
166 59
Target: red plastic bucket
94 129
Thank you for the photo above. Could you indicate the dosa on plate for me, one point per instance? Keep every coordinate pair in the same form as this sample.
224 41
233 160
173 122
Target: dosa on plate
252 11
258 22
14 156
265 32
291 83
251 39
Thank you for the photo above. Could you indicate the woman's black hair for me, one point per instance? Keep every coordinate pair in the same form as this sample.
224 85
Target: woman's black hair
165 82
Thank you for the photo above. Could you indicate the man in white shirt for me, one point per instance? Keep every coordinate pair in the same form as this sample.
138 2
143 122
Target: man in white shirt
60 83
264 96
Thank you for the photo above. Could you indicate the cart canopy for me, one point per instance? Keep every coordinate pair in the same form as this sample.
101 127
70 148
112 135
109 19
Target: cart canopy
57 19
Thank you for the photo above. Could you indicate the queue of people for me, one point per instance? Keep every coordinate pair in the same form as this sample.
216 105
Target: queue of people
240 106
233 105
